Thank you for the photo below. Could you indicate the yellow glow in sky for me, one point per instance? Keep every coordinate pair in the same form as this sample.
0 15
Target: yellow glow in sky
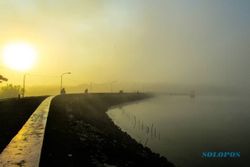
19 56
178 42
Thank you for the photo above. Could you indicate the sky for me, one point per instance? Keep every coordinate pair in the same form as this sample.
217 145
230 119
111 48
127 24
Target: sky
188 42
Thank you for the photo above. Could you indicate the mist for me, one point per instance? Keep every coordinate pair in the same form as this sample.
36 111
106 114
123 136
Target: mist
175 42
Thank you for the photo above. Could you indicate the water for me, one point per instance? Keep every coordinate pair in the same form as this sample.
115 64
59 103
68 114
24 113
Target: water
181 128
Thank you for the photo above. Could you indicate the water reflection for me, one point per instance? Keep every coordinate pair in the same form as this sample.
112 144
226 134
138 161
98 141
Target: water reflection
181 128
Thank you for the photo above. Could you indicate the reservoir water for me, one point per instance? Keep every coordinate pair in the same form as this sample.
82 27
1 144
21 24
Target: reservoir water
182 128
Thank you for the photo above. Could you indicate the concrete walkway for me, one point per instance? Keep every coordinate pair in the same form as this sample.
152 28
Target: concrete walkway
25 148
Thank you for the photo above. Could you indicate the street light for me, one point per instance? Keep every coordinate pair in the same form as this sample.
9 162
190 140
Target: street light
62 78
24 80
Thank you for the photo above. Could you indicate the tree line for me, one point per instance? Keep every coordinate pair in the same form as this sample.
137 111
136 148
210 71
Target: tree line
9 90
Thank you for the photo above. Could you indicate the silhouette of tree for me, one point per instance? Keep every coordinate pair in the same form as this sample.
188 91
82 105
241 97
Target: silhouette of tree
2 78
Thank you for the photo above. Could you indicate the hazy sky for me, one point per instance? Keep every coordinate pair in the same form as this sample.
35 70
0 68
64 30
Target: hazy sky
173 41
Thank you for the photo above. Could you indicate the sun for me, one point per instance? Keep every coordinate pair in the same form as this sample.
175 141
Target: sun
19 56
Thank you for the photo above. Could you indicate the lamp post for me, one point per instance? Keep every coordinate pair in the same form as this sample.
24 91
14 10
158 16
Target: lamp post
24 81
62 78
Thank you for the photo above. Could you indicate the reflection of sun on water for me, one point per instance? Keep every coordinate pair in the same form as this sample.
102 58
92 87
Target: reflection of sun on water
19 56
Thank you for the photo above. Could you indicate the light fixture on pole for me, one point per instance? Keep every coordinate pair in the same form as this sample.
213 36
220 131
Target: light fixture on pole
62 79
24 82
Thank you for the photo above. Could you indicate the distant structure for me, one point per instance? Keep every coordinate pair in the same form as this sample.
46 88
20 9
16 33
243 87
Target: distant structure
63 91
121 91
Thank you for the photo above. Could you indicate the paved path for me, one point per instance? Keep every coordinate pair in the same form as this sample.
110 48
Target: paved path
25 148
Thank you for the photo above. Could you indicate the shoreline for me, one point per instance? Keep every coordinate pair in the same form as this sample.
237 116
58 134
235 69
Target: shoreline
79 132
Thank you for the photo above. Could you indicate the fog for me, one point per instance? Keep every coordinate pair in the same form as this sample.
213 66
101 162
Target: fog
175 42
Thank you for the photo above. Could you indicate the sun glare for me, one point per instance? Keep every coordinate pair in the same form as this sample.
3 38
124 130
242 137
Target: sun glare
19 56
